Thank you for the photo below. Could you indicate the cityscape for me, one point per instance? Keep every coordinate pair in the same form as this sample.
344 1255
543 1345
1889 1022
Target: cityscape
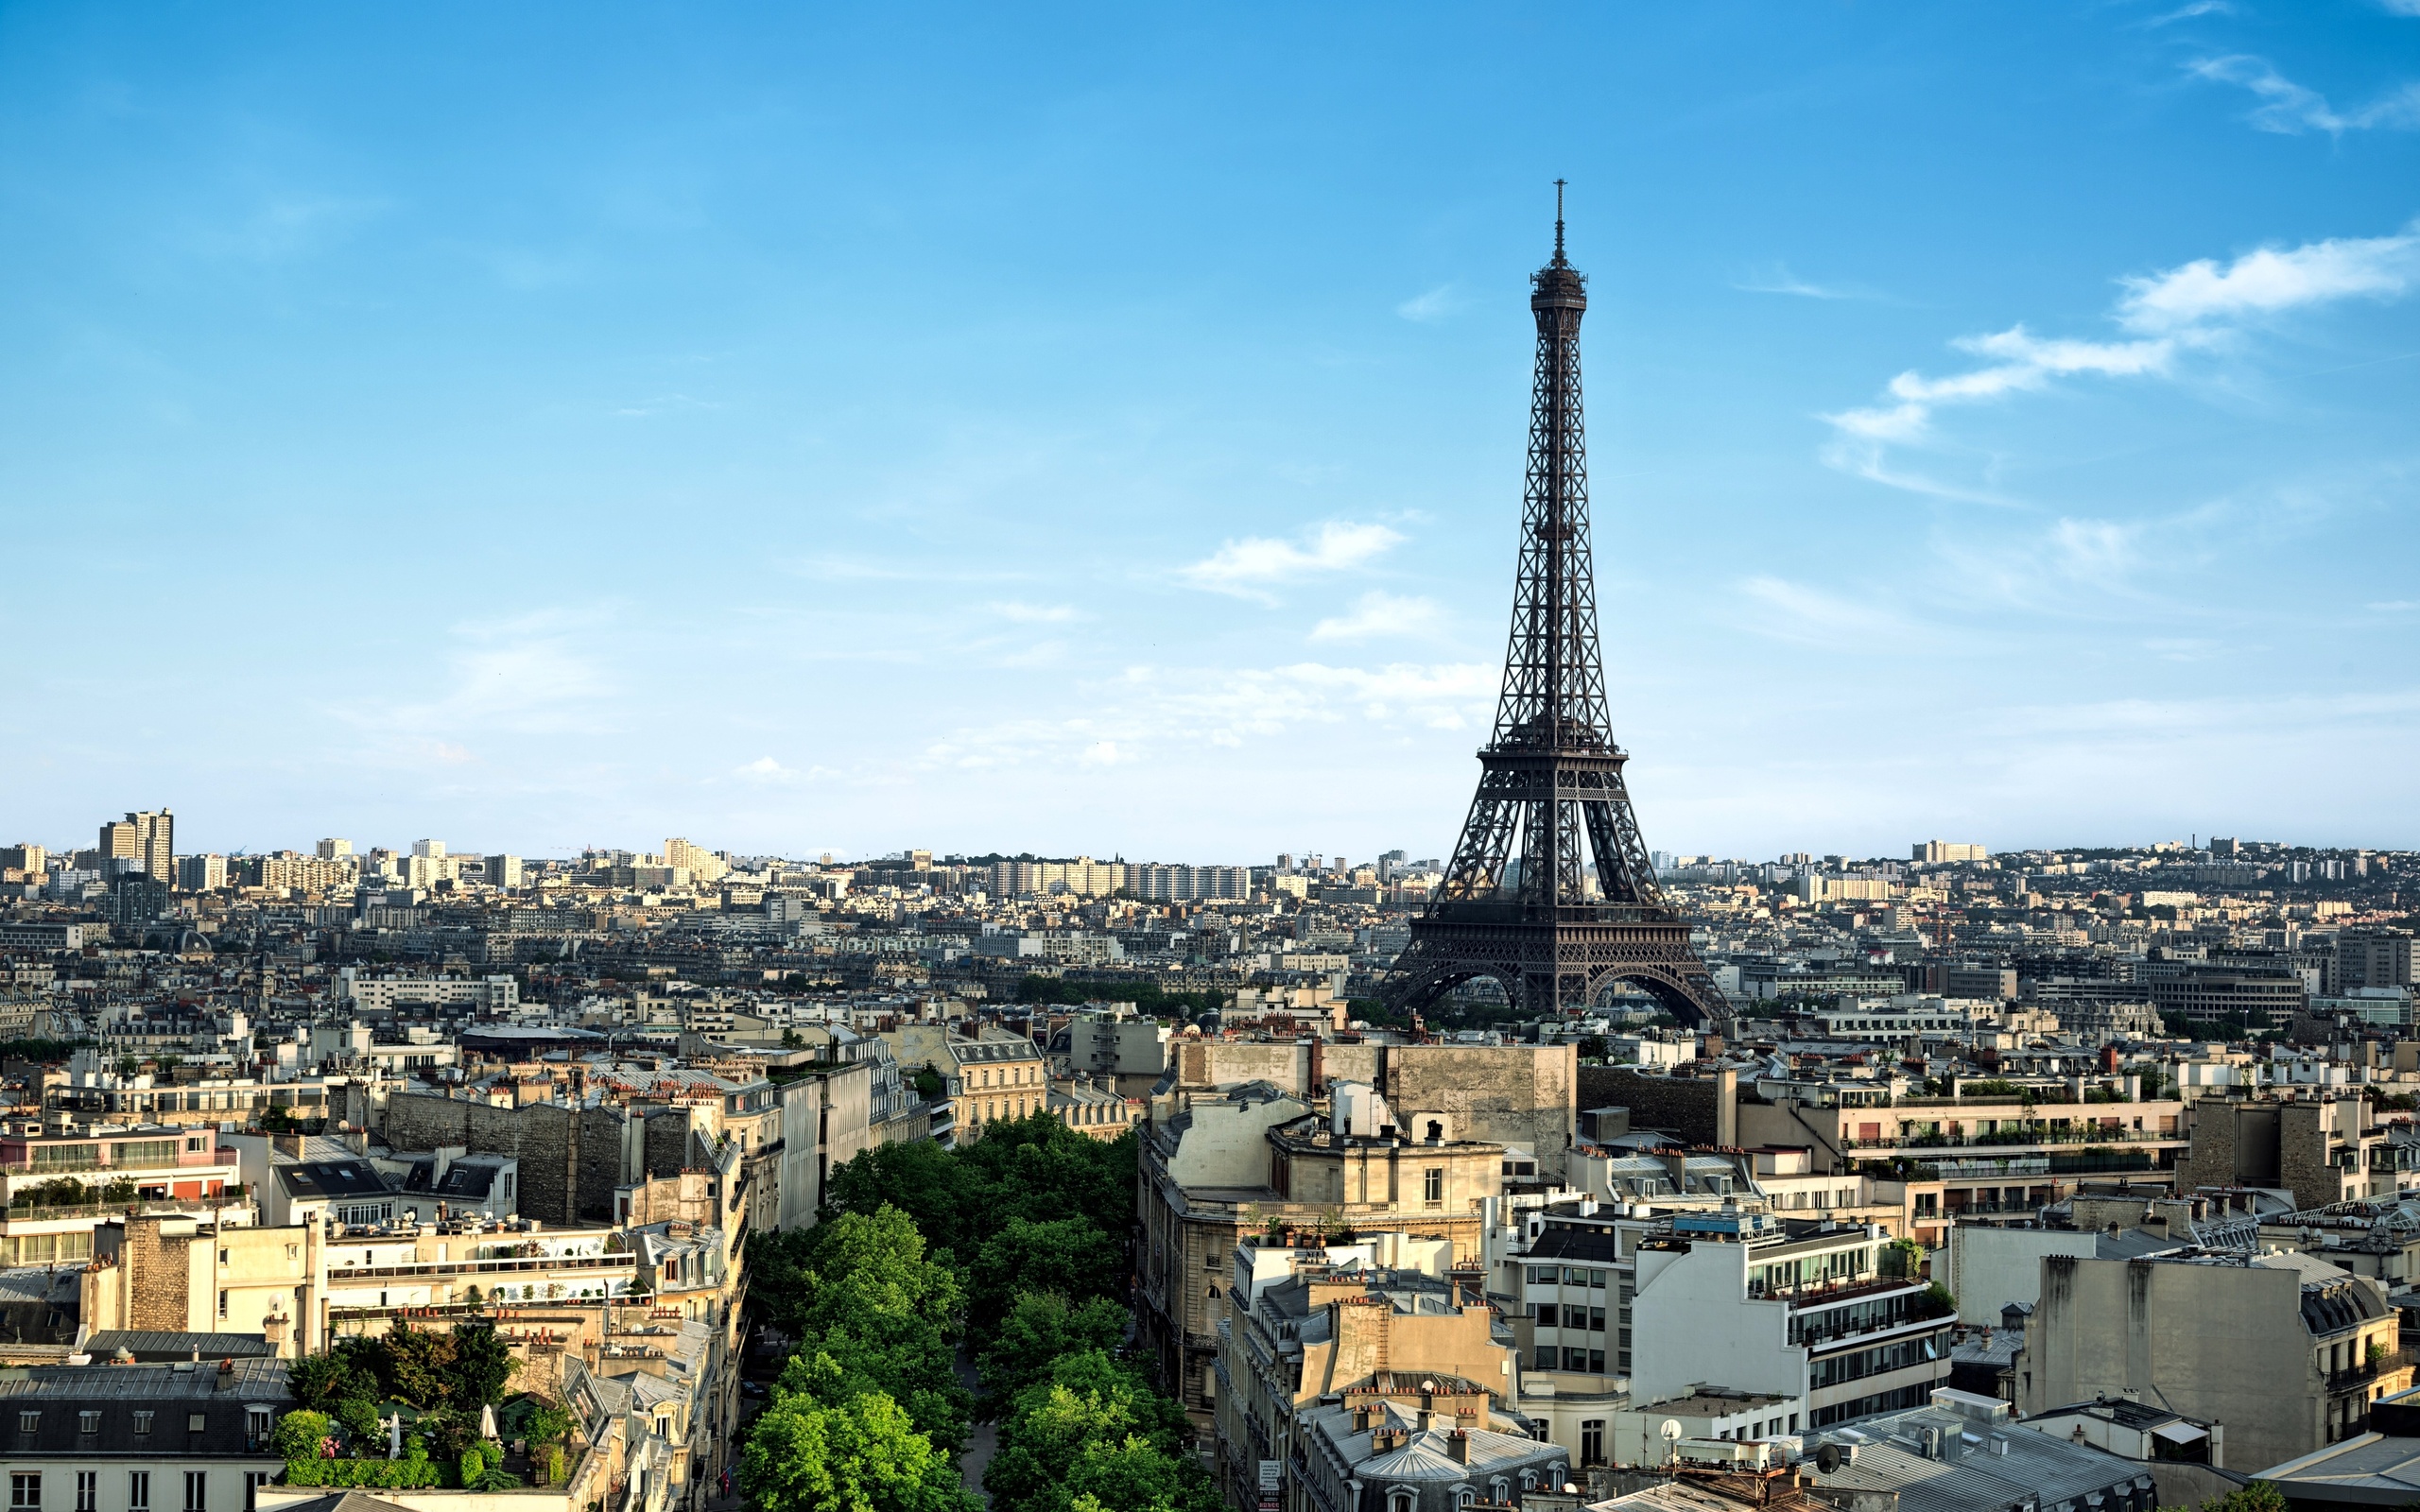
394 1161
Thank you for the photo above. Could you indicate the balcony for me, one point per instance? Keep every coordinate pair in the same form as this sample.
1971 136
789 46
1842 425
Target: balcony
338 1271
2362 1374
1808 1295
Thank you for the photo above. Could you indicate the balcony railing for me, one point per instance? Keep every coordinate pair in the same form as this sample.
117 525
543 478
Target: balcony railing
1823 1294
2369 1370
341 1272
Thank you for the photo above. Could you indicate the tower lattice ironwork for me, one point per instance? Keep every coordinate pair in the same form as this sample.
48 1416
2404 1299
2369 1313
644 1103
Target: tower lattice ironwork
1551 891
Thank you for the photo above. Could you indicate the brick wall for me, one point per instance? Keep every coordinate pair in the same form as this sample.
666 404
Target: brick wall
158 1276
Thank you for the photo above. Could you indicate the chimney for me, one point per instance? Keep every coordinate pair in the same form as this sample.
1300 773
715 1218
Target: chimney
226 1376
1459 1444
1428 1419
290 1145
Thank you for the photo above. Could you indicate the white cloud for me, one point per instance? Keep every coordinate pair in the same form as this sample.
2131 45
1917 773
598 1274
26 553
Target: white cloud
1434 305
1779 280
1806 614
2272 279
2198 8
1191 708
2400 7
2289 109
765 769
1240 566
2097 551
1378 614
2170 313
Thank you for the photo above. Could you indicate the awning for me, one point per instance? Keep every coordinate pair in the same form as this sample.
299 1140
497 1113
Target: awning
2180 1434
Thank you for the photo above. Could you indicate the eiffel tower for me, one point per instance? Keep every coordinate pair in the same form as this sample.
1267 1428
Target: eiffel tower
1515 903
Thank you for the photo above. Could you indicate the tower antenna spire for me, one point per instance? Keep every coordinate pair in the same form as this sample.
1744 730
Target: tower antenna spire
1558 223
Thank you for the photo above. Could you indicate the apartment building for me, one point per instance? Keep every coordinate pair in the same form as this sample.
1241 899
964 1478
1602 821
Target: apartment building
1218 1165
119 1438
1313 1323
2325 1148
116 1163
2284 1349
1985 1154
1814 1313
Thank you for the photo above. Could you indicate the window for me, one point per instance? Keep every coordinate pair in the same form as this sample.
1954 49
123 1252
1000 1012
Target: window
28 1422
88 1422
1547 1314
1592 1441
195 1422
138 1491
88 1490
1575 1359
142 1425
257 1424
197 1491
1548 1356
1597 1320
254 1481
1402 1501
1466 1497
1432 1184
1499 1491
24 1489
1542 1275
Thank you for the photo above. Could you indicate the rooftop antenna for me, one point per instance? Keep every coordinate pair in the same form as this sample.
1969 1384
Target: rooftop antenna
1558 223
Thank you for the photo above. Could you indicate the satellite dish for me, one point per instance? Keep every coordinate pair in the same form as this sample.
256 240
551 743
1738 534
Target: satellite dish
1828 1458
1569 1490
1429 1385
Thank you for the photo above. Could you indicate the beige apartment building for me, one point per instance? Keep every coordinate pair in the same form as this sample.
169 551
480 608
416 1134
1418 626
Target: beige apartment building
1251 1159
1972 1157
2286 1350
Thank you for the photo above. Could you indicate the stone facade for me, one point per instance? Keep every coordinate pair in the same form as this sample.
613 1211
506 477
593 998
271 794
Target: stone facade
572 1158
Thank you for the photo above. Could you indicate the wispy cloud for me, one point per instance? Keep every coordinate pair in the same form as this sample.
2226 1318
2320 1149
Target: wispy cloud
1378 614
1436 304
1245 567
1149 709
1776 279
2166 315
2187 13
1800 612
2272 279
2289 109
2400 7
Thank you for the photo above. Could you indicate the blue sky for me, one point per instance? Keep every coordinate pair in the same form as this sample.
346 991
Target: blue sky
1100 429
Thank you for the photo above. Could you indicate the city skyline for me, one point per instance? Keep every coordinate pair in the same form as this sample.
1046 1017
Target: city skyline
841 436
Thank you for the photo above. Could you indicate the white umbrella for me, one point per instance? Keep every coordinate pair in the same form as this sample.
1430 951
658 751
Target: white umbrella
487 1423
394 1435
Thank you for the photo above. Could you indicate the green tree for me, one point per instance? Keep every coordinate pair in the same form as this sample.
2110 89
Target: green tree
481 1365
1093 1430
418 1366
860 1455
873 1313
1070 1256
299 1434
1040 1328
